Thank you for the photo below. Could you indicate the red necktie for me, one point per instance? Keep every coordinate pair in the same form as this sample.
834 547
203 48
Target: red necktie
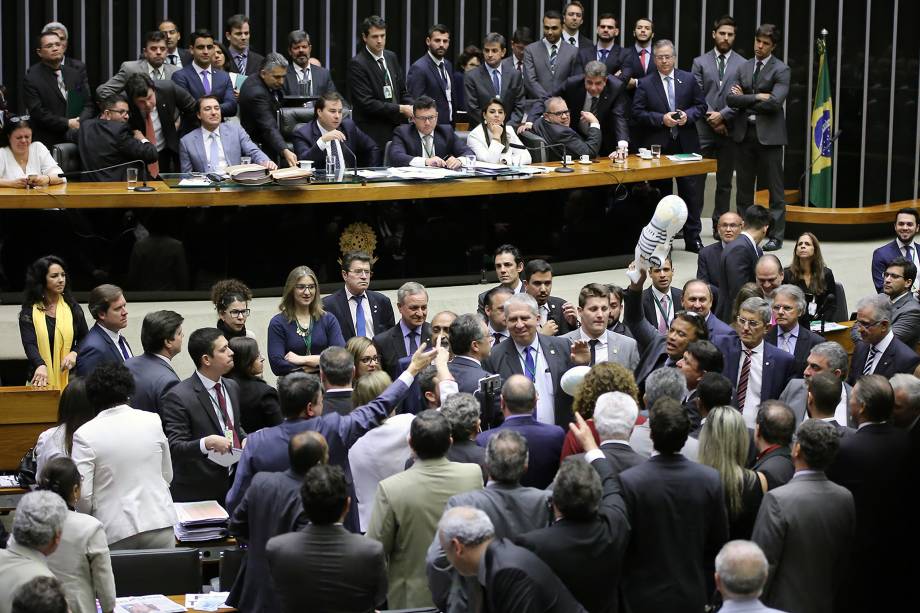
222 403
643 60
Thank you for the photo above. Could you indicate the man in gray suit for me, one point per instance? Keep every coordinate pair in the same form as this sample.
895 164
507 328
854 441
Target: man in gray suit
897 282
217 144
808 515
605 345
495 78
741 572
161 336
548 62
713 71
554 128
153 63
825 357
758 93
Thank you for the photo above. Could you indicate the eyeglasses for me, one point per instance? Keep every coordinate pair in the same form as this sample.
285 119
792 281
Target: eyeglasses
19 118
122 112
749 323
361 272
239 312
370 359
664 57
730 226
426 118
300 287
783 308
892 275
558 113
868 324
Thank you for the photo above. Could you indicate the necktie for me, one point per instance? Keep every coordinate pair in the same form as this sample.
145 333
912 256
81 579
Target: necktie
530 367
498 337
222 404
743 379
603 54
60 82
757 72
721 61
670 83
870 359
413 344
663 322
909 253
496 84
443 75
593 105
643 60
337 152
215 152
552 60
519 65
123 345
151 135
593 346
241 63
360 323
572 40
787 342
172 59
429 146
205 82
386 76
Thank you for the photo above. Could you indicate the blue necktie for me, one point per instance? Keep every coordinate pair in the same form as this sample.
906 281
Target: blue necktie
360 324
413 344
603 55
530 368
215 153
123 345
205 82
670 83
496 84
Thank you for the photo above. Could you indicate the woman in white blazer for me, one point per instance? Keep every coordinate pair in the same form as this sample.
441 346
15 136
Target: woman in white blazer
81 562
123 457
491 140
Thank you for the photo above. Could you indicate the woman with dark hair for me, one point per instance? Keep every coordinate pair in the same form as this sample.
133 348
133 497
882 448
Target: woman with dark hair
491 140
470 58
259 404
367 360
51 323
231 299
24 163
817 280
602 378
74 410
300 332
81 561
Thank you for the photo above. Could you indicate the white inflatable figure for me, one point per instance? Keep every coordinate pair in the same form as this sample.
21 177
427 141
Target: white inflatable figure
655 240
572 378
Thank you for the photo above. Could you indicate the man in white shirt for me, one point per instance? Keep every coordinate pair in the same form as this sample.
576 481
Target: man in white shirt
604 345
174 55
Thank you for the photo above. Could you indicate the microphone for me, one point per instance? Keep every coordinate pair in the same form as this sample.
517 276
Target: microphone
143 165
563 169
354 156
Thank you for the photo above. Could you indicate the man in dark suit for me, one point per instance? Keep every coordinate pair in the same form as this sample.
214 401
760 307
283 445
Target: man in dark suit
660 301
773 430
175 55
554 127
700 358
548 62
409 333
899 278
61 30
259 104
826 357
824 392
495 78
749 360
156 111
573 16
586 543
697 296
739 259
878 351
666 107
512 578
509 264
237 33
544 441
605 97
426 142
542 359
161 336
617 295
322 563
431 75
272 506
201 416
108 141
709 261
346 303
376 86
607 50
471 344
152 63
677 512
305 76
615 416
758 94
638 61
104 343
787 334
199 77
336 372
57 96
330 134
906 225
557 317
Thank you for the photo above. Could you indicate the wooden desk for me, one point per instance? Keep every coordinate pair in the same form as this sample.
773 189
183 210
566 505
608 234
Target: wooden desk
842 336
25 412
180 599
115 195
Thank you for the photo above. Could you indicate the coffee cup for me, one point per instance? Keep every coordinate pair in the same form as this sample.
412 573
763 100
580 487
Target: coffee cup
305 164
585 159
568 159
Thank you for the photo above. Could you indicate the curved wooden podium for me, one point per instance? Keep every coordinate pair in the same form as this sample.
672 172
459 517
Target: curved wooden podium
845 223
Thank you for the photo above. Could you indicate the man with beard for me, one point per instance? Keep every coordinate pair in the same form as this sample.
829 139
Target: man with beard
557 317
430 75
548 62
638 60
607 50
906 224
305 75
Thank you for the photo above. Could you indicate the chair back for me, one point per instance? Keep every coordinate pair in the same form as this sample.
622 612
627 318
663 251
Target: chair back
536 144
67 156
230 562
292 117
386 154
840 312
139 572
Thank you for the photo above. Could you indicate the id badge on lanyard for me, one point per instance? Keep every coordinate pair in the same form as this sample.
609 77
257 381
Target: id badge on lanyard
388 92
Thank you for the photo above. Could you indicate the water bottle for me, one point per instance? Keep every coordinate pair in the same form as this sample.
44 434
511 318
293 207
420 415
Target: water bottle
622 152
332 163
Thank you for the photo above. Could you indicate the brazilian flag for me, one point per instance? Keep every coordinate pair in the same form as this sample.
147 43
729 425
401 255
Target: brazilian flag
822 172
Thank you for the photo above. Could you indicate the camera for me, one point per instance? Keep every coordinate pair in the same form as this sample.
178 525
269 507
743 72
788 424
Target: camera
676 115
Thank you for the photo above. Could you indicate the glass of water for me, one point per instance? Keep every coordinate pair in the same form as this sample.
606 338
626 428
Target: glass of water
469 163
132 177
245 159
656 152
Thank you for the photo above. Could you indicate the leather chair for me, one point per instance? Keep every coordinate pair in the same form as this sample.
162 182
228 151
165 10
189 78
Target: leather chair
292 117
230 562
156 571
536 145
386 154
67 156
840 312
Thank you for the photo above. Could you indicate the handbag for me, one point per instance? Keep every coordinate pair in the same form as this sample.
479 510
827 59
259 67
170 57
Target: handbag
27 468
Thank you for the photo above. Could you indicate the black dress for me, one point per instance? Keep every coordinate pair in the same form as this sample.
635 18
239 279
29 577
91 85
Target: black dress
741 525
259 405
826 300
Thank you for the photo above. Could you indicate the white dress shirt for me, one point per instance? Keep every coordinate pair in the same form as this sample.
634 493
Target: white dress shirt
915 257
546 412
157 129
209 386
324 145
601 353
365 312
787 340
880 349
449 77
116 338
420 160
755 380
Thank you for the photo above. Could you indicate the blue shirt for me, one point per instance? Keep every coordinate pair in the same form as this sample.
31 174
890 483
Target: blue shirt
283 337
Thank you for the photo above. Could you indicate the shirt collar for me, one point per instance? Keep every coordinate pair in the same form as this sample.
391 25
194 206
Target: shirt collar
640 49
436 61
347 291
237 54
373 55
902 245
882 345
466 357
115 336
587 337
869 423
207 133
613 441
406 329
208 383
549 45
764 61
793 333
493 331
535 344
901 297
727 54
755 350
665 76
659 295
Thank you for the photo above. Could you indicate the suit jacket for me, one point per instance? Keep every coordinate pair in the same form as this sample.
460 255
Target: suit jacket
544 442
621 349
189 79
328 567
621 457
652 346
363 146
776 465
556 351
125 486
337 400
574 144
706 71
47 107
882 256
97 348
771 121
188 416
153 377
477 85
322 81
374 114
272 506
679 523
709 263
103 143
539 79
898 358
720 332
739 259
172 103
233 139
424 79
407 144
611 109
614 61
778 369
650 309
632 65
555 306
803 345
116 84
807 515
906 321
651 103
587 555
407 508
81 562
259 108
796 397
259 404
381 311
19 565
391 346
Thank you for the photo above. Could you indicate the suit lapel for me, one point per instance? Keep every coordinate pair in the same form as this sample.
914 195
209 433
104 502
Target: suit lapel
341 301
766 370
887 359
511 358
204 398
230 143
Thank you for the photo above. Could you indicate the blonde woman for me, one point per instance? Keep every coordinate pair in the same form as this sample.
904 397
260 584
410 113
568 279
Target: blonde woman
367 360
300 332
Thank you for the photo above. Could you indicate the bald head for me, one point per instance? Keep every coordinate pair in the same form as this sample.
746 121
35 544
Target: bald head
306 450
769 273
729 226
519 396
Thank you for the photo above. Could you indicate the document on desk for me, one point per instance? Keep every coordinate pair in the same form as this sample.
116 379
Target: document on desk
153 602
225 459
426 173
195 182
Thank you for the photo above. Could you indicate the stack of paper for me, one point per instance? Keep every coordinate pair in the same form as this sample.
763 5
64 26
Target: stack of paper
292 176
155 602
249 174
200 521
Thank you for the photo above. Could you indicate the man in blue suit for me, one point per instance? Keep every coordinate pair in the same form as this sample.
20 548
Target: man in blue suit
906 224
425 142
607 50
431 75
199 78
667 105
376 310
879 351
749 361
104 343
217 144
161 336
329 132
544 441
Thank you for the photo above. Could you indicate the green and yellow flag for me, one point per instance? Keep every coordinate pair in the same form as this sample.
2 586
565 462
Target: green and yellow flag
822 173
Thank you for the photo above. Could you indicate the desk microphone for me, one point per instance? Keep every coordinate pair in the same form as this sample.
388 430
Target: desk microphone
143 164
353 155
563 169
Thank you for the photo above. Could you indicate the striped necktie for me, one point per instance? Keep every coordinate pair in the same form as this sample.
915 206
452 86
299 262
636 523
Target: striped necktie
743 378
870 360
